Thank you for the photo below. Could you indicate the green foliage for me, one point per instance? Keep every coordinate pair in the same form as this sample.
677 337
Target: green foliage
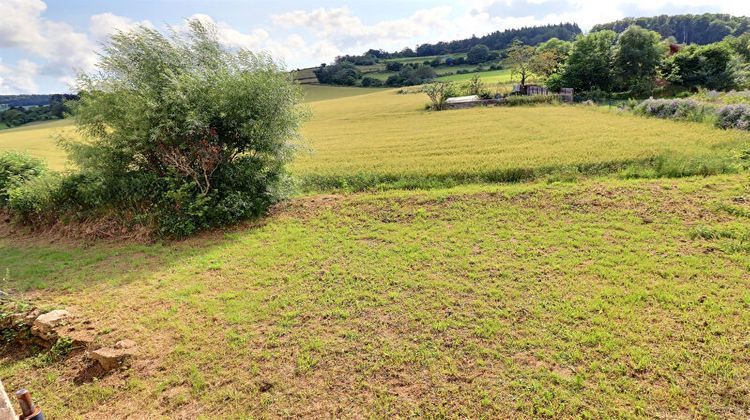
34 200
371 82
636 57
411 75
343 73
695 67
499 40
15 169
177 133
439 92
478 54
686 29
589 66
522 100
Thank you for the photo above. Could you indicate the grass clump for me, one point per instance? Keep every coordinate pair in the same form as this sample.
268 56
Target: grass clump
522 100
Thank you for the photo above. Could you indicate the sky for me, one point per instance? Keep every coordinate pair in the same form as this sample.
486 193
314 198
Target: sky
45 43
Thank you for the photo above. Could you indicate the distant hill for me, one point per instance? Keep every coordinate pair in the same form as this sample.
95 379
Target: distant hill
500 40
24 100
687 29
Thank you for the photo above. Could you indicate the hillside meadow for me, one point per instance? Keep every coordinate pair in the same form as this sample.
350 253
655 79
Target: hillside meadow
410 278
381 139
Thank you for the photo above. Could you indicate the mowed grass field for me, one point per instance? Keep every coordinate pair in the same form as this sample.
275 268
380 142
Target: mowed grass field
596 299
583 292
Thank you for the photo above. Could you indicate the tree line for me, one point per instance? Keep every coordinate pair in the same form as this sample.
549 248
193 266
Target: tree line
685 29
635 63
56 108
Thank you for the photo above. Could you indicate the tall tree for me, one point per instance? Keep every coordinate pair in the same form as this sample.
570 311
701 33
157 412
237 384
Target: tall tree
520 59
636 58
589 65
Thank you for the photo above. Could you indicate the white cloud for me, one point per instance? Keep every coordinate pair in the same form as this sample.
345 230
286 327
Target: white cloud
105 24
342 27
231 37
18 79
62 48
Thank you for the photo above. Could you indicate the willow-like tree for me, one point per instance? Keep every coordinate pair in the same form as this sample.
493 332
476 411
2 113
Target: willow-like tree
182 132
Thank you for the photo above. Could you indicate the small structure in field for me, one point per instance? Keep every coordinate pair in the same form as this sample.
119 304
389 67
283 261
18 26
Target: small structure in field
462 99
460 102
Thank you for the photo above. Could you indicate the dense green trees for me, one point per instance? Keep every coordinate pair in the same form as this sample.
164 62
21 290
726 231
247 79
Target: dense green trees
632 63
410 75
686 29
706 66
56 108
478 54
636 59
342 73
589 65
500 40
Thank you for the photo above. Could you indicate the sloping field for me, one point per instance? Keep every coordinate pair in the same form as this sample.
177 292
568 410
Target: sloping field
37 140
381 138
314 93
386 138
488 77
599 299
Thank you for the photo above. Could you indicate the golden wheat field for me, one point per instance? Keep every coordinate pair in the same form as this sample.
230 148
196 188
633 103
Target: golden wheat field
381 137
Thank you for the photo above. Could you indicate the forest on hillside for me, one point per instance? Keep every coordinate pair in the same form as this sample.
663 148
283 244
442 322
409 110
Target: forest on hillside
497 40
701 29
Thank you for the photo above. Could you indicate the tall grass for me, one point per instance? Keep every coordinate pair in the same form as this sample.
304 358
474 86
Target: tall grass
387 141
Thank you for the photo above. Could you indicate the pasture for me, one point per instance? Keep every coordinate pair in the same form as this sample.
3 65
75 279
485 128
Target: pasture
491 77
439 289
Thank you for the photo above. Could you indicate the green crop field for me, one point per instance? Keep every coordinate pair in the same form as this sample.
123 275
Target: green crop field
314 93
488 77
38 140
415 275
389 138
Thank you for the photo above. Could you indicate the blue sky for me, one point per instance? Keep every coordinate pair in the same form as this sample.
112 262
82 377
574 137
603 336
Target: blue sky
44 43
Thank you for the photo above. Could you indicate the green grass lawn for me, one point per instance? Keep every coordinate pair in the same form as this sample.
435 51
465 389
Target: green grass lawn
599 299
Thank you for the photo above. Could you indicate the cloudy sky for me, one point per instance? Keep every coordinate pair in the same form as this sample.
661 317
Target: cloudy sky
44 43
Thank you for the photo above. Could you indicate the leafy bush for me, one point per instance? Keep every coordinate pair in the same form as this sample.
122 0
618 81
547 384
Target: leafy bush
673 109
734 116
15 169
178 134
371 82
32 200
343 73
521 100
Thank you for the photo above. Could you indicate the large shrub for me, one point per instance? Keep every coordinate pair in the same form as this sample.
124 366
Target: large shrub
15 169
674 109
734 116
179 132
